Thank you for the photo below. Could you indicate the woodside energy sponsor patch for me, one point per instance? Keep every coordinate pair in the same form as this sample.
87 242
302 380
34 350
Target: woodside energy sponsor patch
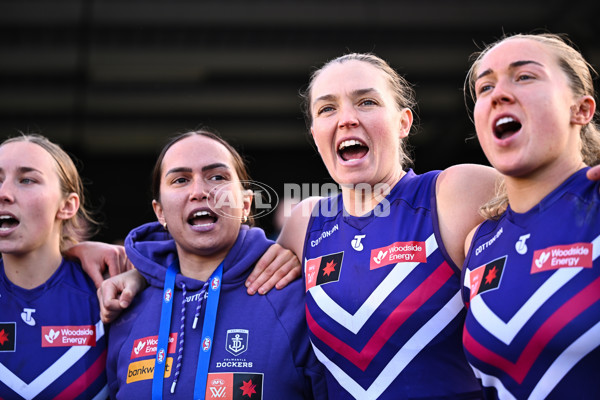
67 336
398 252
146 346
570 255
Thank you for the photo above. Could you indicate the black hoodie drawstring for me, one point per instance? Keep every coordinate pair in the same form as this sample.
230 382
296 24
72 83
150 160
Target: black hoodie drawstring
201 297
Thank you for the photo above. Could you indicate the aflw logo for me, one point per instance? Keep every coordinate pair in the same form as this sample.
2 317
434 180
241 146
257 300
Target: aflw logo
570 255
234 386
218 393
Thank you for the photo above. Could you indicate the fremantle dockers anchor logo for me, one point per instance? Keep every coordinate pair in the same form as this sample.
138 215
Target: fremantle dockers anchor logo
237 341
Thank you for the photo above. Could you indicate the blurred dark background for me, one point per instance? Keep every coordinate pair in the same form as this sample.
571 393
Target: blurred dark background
112 80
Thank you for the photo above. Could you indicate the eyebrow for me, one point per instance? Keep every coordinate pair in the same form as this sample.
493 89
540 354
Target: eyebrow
204 169
23 170
513 65
354 93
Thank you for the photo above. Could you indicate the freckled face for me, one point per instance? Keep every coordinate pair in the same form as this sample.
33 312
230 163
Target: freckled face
30 199
523 109
357 125
201 197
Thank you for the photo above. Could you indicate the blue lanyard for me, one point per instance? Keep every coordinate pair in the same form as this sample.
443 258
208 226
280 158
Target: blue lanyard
208 330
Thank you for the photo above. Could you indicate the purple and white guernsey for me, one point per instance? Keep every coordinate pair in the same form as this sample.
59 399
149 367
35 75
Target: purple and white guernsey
52 342
383 299
532 285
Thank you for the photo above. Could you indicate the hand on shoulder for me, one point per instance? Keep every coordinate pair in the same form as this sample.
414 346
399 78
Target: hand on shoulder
280 265
593 173
116 293
99 259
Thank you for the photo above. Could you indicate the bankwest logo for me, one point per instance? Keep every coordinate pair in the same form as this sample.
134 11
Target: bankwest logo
144 369
147 346
569 255
67 336
398 252
234 386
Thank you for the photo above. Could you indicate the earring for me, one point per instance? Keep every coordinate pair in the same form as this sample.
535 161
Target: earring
165 226
245 219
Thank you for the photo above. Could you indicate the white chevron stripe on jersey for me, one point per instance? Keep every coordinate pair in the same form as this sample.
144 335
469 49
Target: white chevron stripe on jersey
506 331
59 367
402 358
489 381
356 321
566 361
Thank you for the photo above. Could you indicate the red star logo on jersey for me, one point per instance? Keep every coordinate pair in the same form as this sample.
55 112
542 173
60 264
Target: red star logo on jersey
3 337
248 388
8 335
486 277
324 269
491 275
329 268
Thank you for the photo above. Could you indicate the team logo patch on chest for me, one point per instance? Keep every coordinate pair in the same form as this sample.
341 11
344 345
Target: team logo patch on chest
569 255
486 277
323 269
237 341
398 252
8 332
234 386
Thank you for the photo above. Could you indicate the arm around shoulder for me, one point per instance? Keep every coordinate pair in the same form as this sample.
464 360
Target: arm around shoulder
99 259
116 293
461 190
468 240
294 230
280 264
